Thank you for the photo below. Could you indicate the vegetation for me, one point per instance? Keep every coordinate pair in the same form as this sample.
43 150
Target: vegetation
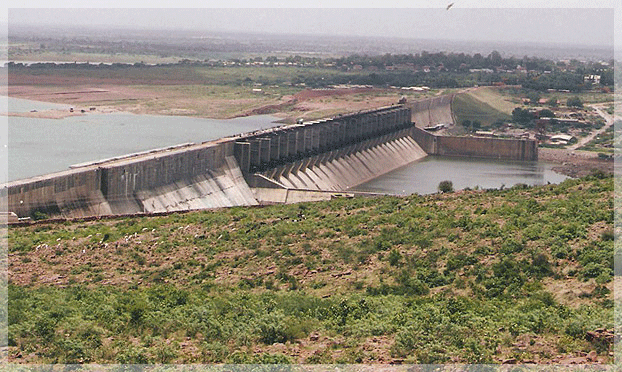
446 186
603 143
469 109
471 277
574 102
436 70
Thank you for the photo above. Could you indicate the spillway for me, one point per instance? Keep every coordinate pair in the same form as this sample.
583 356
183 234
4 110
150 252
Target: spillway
308 161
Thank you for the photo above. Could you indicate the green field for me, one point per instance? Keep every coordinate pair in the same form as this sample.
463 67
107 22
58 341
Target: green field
470 277
469 107
497 98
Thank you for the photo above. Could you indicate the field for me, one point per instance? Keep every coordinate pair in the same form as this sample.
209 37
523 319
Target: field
517 275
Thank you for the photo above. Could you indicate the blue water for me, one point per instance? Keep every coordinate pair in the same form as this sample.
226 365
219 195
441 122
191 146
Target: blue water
26 105
40 146
423 176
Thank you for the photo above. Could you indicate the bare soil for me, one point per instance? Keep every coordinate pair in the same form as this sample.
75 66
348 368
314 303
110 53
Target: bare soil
576 163
148 97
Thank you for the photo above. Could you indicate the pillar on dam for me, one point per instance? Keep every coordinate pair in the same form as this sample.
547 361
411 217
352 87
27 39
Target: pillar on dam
300 141
264 150
292 143
242 153
308 137
284 144
350 130
323 135
255 152
315 134
365 127
275 143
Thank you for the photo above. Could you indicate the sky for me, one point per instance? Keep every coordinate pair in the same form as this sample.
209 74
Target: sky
560 22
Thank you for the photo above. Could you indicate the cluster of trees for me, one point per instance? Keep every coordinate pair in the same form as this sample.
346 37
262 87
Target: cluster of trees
446 70
450 61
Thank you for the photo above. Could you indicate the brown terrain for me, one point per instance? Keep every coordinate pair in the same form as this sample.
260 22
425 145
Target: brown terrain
167 98
576 163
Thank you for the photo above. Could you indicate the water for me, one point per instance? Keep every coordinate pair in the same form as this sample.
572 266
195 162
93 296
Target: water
40 146
26 105
423 176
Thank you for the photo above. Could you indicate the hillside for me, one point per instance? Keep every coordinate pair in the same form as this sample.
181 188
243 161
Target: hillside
482 276
476 107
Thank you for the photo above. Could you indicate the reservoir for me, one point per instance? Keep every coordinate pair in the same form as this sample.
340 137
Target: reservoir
39 146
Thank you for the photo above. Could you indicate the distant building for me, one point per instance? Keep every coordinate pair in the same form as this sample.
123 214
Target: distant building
561 139
594 79
482 133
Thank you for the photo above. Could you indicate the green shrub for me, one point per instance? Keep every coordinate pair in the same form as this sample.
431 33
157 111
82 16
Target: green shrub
445 186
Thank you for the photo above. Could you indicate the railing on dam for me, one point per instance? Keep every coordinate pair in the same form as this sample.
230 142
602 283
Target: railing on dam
267 149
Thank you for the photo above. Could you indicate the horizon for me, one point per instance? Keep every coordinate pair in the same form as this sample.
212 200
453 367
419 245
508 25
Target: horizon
330 44
561 26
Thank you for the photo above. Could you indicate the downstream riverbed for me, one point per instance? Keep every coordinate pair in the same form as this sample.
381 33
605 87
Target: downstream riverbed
423 176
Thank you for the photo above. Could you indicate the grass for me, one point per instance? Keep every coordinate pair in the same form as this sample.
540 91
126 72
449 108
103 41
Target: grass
603 143
468 107
458 277
496 98
38 55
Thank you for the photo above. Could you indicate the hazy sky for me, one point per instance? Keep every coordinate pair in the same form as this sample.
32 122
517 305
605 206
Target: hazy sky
559 22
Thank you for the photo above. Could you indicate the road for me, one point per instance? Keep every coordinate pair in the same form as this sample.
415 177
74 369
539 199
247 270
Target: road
609 120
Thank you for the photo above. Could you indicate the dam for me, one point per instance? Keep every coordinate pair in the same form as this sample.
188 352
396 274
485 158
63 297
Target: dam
299 162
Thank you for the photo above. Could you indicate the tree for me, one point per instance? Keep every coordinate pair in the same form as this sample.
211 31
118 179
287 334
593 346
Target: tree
521 116
534 97
574 102
546 113
495 58
446 186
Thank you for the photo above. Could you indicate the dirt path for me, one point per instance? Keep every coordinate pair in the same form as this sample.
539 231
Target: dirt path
609 119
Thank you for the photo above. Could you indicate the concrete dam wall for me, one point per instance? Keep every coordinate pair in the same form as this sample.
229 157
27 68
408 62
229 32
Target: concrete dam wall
313 159
432 111
478 147
333 154
350 166
208 175
192 177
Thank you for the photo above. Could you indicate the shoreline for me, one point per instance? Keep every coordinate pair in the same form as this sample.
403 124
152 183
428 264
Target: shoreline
575 163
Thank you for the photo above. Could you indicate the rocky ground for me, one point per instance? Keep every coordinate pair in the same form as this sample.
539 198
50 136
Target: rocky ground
576 163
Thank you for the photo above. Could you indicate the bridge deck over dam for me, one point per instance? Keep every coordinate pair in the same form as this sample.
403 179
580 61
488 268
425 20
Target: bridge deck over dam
329 155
